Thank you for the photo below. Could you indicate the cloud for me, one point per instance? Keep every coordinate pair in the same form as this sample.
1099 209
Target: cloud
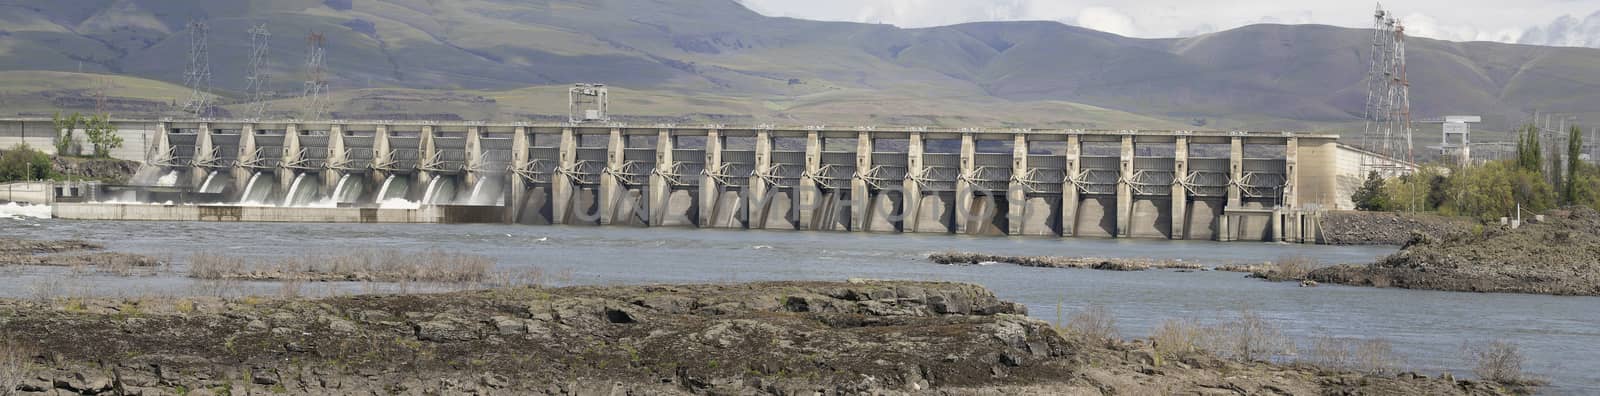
1491 20
1566 31
1107 20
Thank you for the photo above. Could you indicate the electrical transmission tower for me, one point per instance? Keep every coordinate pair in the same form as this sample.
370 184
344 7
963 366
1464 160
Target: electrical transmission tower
1388 107
259 82
198 75
316 88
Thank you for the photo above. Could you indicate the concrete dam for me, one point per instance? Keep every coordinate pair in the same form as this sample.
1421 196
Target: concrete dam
1216 185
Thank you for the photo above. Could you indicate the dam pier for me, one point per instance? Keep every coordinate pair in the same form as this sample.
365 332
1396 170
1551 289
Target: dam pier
1201 185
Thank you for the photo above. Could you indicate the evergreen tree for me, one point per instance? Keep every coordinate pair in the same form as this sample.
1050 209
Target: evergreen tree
1570 194
1529 156
1371 196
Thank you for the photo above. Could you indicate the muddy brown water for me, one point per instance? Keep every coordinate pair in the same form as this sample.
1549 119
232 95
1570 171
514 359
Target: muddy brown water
1560 335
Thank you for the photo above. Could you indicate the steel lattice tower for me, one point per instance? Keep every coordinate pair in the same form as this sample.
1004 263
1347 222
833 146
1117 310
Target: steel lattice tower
198 75
258 83
316 86
1388 106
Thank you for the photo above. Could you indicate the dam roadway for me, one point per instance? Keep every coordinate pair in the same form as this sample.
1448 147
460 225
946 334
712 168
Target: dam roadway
1216 185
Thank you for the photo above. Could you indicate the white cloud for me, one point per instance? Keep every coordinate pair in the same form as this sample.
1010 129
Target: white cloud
1107 20
1493 20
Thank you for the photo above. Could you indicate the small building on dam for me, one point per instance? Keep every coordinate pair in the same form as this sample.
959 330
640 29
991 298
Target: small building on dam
1216 185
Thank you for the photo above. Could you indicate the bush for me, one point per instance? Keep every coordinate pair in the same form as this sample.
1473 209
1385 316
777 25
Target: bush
1175 338
1495 189
1094 324
1498 361
15 360
24 163
1249 338
1371 197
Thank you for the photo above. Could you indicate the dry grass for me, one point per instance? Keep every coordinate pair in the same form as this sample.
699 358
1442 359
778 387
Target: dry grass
1249 337
1372 356
1094 323
1498 361
15 365
1287 268
365 265
1175 338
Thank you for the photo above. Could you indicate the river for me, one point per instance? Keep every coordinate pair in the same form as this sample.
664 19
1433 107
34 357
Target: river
1559 335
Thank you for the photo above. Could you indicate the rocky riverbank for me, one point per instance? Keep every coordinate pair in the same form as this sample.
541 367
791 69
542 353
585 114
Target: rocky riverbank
107 170
1559 256
68 253
782 338
1388 228
1108 264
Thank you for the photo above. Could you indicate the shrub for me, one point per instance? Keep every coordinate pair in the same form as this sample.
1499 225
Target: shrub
1249 338
1371 197
15 360
1376 356
24 163
1498 361
1094 323
1175 338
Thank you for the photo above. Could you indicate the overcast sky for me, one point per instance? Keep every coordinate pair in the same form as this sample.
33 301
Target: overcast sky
1458 20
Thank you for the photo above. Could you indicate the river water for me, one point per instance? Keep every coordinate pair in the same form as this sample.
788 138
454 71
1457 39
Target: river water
1560 335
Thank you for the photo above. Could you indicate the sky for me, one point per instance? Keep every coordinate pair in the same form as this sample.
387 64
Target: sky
1456 20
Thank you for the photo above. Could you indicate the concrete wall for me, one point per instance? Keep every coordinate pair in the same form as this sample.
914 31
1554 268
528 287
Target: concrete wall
431 214
1347 176
38 133
849 184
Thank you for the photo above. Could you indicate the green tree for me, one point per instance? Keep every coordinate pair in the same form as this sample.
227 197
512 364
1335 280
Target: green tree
1495 189
1371 196
1415 191
102 135
1529 154
65 142
1584 186
24 163
1569 194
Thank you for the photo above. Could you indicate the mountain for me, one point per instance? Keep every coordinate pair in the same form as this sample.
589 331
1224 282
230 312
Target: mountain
715 60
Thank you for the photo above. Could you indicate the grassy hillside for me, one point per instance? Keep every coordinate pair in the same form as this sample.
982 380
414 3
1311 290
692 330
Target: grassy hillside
716 60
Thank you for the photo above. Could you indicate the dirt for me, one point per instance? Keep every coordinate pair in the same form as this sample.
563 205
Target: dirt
1389 228
780 338
1108 264
1558 256
68 253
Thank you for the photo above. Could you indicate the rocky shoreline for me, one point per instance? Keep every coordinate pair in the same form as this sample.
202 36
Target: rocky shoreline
780 338
1106 264
1558 256
1388 228
69 253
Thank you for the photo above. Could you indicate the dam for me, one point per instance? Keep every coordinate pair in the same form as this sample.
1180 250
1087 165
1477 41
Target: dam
1199 185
